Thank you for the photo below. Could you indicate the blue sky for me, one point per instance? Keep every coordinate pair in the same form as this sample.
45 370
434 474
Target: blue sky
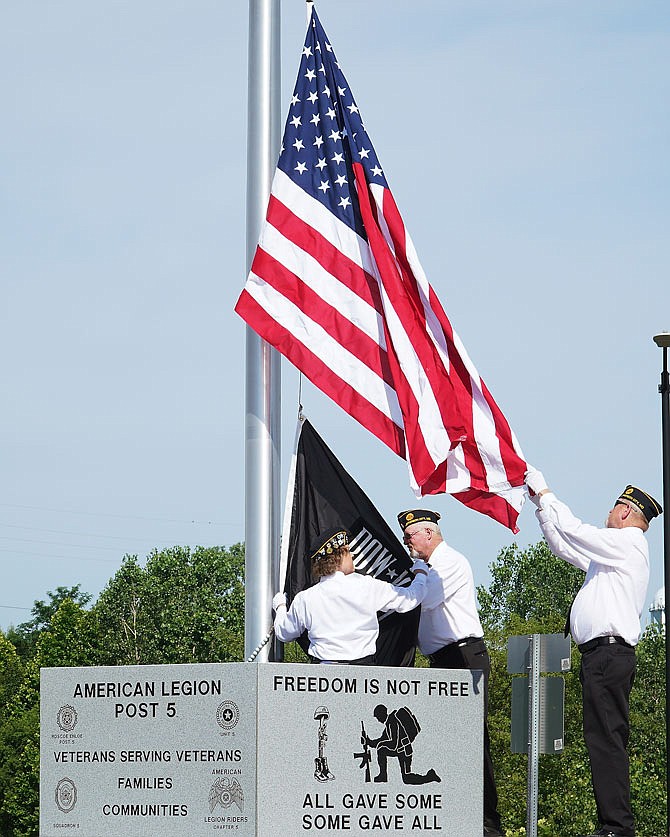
526 145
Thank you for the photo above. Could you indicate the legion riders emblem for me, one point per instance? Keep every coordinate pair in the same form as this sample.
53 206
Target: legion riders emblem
225 792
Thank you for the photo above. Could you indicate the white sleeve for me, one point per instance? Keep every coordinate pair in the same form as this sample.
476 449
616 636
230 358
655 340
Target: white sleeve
400 599
290 624
576 542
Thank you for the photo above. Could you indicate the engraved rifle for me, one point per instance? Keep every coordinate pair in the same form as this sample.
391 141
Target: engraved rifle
365 756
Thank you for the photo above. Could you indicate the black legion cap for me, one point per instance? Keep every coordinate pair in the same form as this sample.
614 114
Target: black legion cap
327 542
642 501
406 518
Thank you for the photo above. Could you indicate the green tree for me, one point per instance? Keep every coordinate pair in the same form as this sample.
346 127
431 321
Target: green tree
184 606
16 733
20 807
11 669
65 641
12 735
647 745
528 585
25 636
122 630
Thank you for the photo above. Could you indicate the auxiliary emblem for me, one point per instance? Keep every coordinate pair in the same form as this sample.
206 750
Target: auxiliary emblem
66 795
227 714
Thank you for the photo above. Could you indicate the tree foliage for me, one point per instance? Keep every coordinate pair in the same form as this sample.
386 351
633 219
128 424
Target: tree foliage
528 586
62 641
19 794
24 637
13 732
184 606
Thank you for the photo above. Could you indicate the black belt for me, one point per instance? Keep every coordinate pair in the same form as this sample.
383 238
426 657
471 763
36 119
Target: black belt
361 661
603 640
459 643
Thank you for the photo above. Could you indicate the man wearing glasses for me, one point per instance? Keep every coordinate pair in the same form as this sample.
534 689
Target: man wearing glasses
450 633
604 621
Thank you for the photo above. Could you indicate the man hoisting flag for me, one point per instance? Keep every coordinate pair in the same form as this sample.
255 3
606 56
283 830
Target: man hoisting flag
336 286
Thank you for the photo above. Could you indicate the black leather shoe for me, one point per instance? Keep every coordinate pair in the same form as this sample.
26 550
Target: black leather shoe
603 833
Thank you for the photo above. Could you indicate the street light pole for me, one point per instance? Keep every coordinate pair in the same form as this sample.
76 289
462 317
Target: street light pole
663 341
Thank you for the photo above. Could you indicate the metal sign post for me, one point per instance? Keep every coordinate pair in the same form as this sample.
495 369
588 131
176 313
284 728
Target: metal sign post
537 704
534 730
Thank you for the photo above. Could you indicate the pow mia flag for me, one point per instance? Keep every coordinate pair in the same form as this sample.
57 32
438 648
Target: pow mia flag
325 495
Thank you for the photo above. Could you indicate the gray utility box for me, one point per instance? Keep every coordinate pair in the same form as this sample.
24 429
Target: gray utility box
270 750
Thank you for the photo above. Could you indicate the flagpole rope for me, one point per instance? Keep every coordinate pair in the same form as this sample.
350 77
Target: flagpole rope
260 647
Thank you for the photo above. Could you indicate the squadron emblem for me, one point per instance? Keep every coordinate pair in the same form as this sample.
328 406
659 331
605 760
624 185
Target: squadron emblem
225 792
66 795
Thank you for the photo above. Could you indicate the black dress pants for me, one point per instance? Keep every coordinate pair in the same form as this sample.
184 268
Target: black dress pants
475 656
606 674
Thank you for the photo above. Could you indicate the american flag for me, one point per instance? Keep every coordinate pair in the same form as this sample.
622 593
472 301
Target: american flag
337 287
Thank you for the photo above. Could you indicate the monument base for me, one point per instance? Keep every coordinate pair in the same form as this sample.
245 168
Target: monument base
269 750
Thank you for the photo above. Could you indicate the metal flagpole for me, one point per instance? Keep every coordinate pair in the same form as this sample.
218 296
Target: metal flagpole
663 341
263 371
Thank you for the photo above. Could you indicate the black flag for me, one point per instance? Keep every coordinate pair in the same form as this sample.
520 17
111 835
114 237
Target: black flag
325 495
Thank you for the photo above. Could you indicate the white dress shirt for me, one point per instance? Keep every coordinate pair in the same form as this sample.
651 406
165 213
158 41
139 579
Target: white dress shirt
449 609
340 613
616 563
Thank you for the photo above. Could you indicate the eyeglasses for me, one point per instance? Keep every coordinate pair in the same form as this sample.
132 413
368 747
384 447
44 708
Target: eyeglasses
407 537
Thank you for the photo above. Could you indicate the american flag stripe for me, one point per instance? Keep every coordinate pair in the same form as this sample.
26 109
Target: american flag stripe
279 262
430 428
485 459
326 329
453 401
422 406
343 239
337 287
336 278
311 334
279 330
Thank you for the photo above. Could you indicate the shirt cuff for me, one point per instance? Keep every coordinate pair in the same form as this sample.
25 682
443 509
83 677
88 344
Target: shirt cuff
545 502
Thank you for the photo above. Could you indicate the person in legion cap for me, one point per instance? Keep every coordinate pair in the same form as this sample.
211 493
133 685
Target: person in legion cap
450 633
604 621
339 612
